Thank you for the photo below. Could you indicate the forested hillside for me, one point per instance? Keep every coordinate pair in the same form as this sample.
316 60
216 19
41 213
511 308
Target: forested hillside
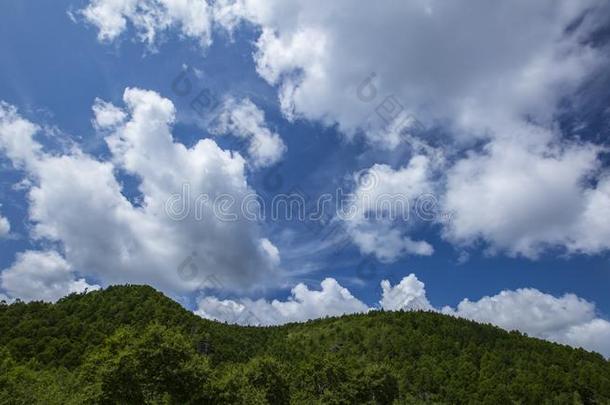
133 345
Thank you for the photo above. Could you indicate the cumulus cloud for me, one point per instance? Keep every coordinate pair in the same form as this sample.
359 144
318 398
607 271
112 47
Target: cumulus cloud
408 295
381 206
150 18
499 80
521 199
76 200
5 227
511 60
17 141
567 319
106 115
42 275
524 192
245 120
302 305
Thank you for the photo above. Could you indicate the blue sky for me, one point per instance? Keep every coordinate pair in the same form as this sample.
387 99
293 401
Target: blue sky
55 65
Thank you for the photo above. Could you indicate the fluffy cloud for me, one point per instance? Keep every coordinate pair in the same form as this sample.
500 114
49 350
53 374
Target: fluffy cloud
17 134
303 304
172 238
499 80
106 115
521 199
246 121
41 275
5 227
408 295
567 319
512 60
381 205
525 191
150 18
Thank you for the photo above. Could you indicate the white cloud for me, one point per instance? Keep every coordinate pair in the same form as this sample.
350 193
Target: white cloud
17 140
77 201
41 275
381 206
303 304
408 295
150 18
513 60
500 80
567 319
5 227
107 115
521 199
245 120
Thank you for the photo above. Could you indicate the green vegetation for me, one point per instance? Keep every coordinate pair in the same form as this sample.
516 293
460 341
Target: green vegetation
133 345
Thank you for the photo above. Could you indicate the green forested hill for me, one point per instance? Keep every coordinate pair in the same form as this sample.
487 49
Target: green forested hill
132 345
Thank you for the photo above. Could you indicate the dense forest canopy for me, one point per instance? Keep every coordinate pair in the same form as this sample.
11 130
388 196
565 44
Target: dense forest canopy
133 345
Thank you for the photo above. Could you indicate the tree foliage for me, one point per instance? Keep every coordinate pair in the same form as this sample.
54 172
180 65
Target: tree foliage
133 345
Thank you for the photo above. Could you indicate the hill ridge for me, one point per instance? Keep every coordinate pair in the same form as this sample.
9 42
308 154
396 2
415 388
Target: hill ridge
404 356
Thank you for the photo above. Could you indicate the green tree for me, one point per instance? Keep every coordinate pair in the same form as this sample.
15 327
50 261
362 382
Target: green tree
269 376
158 366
